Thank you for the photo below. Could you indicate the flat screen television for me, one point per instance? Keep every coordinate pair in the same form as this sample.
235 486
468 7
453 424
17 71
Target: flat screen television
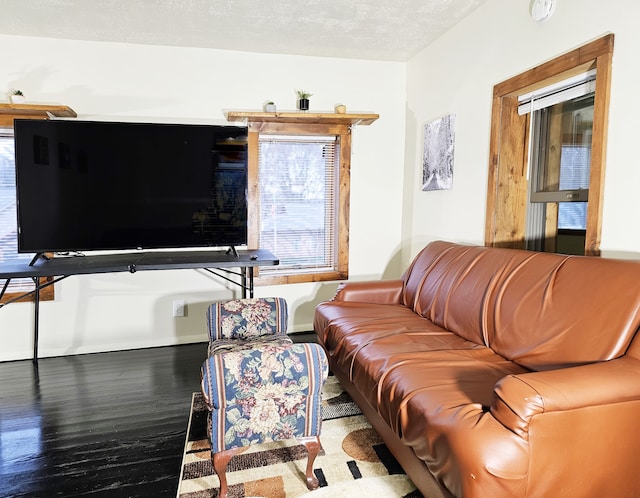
96 185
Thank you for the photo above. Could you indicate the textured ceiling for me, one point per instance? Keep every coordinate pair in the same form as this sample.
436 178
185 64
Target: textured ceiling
393 30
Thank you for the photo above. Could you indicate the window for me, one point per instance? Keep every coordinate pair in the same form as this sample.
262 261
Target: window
301 200
8 225
560 165
298 191
508 200
8 221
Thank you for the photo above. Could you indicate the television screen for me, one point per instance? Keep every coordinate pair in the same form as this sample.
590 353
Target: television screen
92 185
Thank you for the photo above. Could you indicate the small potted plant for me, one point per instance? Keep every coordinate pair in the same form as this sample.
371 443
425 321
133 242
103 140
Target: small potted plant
270 107
17 97
303 100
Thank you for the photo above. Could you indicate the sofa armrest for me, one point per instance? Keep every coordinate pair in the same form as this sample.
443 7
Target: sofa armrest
377 291
519 398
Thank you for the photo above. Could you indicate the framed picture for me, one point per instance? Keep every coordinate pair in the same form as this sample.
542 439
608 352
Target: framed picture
437 156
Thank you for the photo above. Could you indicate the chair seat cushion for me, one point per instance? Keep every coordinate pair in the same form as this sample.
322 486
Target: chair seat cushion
226 345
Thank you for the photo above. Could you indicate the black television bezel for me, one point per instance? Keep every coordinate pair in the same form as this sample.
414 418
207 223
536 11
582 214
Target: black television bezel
20 134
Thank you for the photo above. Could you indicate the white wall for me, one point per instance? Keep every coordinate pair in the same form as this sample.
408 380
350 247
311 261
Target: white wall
150 83
391 218
457 74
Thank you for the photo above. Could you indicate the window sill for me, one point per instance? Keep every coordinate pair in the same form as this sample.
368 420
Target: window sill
299 278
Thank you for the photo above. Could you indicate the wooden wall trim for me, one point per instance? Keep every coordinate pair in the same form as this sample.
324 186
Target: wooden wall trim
508 148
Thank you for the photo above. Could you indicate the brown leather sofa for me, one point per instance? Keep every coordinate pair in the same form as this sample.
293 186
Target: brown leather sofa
496 373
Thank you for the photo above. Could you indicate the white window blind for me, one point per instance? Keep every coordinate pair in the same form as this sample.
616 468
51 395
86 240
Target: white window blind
298 185
8 218
569 89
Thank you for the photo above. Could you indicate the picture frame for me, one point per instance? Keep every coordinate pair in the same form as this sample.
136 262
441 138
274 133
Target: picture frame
438 153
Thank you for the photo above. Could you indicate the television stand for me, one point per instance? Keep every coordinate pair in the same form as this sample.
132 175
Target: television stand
62 267
232 250
37 256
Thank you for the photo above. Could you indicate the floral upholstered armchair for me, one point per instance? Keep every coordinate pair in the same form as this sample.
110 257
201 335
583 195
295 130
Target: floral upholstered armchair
258 385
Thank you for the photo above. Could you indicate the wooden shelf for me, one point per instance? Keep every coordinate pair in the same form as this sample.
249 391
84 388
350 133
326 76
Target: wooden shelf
9 112
300 117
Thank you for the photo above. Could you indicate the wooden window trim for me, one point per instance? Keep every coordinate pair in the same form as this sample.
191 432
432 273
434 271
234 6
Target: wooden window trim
507 184
343 132
296 123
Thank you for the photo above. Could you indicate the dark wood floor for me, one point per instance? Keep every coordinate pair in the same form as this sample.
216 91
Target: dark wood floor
107 424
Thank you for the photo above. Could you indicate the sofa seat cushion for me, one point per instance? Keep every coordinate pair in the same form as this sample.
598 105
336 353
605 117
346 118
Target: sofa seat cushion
346 329
340 321
369 362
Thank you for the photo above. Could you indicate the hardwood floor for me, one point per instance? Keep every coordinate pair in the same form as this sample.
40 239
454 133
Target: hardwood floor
107 424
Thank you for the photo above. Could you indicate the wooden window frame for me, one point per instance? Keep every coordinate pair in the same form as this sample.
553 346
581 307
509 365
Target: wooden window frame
302 123
343 134
508 151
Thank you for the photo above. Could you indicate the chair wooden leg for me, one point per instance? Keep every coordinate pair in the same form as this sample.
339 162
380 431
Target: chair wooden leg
220 461
313 447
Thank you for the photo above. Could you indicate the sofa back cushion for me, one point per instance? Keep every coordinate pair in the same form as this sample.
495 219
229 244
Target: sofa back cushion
454 283
554 310
540 310
423 264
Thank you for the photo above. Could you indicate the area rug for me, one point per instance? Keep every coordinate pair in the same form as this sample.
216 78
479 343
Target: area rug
353 461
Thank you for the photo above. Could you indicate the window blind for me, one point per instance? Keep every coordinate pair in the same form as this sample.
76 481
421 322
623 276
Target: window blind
297 178
569 89
8 217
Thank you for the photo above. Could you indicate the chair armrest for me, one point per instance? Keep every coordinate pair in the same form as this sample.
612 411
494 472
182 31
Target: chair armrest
377 291
519 398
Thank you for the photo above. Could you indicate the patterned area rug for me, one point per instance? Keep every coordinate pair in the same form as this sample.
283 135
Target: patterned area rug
353 460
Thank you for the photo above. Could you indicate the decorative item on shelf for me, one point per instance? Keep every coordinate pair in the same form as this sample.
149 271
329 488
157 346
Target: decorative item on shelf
270 106
303 100
17 97
341 109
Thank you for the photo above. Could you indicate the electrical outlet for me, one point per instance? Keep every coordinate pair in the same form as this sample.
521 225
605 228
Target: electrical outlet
179 308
